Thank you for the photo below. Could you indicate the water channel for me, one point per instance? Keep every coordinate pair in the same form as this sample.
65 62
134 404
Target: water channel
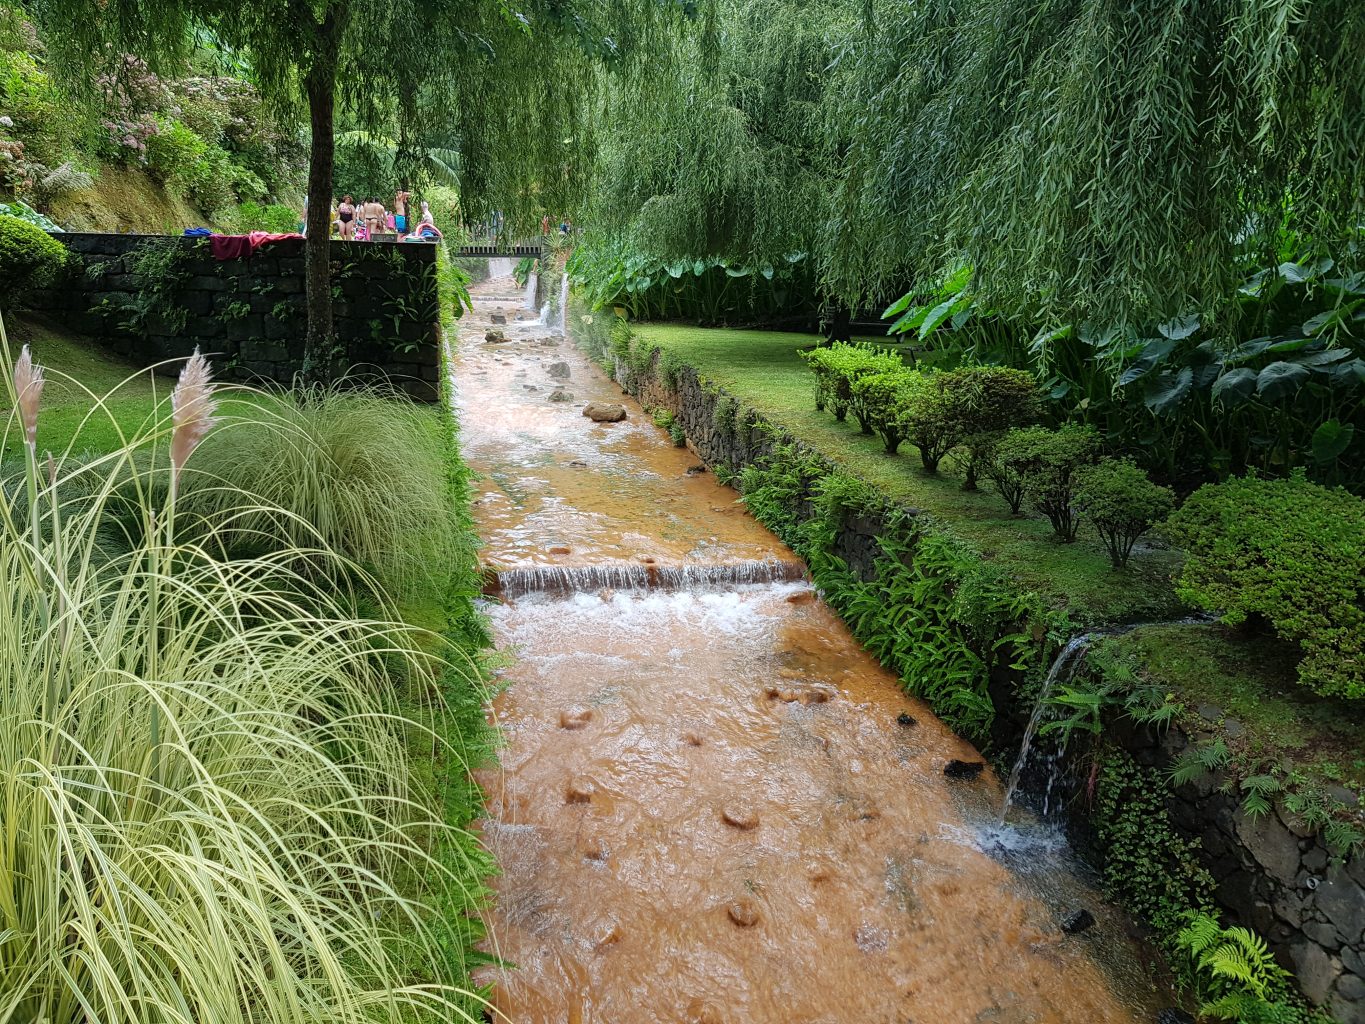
710 805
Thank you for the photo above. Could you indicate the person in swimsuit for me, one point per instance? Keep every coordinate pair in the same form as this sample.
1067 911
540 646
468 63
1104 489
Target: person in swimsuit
373 211
400 211
346 217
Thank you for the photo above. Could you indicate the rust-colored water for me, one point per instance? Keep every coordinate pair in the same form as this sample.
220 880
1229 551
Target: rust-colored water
707 809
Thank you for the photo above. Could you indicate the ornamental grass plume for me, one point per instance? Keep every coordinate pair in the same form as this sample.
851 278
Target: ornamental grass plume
28 392
211 811
192 408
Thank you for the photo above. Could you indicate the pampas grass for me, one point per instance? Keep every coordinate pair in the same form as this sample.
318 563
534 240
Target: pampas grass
359 473
206 813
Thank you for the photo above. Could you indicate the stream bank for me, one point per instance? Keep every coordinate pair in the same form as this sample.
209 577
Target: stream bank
713 805
867 550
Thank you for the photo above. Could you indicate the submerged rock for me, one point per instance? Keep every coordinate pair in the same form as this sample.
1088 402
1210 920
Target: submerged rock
604 412
559 371
498 318
740 816
904 719
743 912
575 718
494 336
561 395
965 770
580 790
1078 921
1173 1015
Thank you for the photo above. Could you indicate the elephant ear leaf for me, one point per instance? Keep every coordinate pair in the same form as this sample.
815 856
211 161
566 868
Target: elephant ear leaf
1280 380
1167 390
1331 440
1235 386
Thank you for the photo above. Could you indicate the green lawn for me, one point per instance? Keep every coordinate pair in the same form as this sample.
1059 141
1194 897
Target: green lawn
763 370
1251 682
93 399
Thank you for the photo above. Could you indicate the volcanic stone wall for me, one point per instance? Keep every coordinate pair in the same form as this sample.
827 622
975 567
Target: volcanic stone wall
1272 873
153 298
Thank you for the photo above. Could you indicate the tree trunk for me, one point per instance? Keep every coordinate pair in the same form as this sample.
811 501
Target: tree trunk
320 83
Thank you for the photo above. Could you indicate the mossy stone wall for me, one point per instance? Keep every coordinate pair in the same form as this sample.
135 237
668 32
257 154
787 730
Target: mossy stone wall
249 315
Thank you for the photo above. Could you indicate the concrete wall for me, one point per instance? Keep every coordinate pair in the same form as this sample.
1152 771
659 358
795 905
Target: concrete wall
152 298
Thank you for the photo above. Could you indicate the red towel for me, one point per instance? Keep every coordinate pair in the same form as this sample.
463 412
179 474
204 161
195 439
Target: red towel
240 247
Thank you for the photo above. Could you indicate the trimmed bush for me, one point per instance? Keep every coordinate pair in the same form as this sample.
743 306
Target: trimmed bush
882 398
29 257
1046 461
989 400
1121 504
928 418
837 366
1289 553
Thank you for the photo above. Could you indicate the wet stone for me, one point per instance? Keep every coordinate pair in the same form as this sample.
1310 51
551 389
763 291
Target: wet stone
743 912
1078 921
963 770
801 597
494 337
560 371
560 395
561 549
498 318
904 719
701 1012
592 848
1173 1015
604 412
574 718
813 693
580 790
740 816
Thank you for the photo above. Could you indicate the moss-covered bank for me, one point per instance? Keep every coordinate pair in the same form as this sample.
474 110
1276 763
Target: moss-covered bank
968 605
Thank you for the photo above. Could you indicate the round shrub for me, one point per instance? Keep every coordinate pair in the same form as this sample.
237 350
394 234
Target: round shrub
1289 553
1121 504
1045 463
173 151
29 257
881 398
987 401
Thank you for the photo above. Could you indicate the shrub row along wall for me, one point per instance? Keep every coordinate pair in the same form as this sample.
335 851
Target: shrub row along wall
151 297
967 640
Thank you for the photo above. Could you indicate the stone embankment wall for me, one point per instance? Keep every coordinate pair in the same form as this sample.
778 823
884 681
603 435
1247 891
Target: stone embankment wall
1273 875
153 298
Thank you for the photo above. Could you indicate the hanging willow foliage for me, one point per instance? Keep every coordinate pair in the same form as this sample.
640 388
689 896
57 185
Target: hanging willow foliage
719 151
1096 159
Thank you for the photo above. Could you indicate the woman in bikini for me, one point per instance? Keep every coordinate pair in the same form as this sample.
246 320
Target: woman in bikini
346 216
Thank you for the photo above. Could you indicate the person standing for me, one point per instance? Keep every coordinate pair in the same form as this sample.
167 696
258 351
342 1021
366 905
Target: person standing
400 211
346 217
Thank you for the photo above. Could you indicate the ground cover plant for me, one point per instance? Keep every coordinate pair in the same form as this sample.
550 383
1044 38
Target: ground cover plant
256 832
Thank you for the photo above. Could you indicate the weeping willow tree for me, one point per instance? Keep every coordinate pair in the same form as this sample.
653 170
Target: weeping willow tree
505 88
1095 159
717 151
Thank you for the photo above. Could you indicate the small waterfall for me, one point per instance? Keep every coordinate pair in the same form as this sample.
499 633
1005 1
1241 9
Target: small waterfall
1063 669
532 284
563 322
544 318
511 584
500 266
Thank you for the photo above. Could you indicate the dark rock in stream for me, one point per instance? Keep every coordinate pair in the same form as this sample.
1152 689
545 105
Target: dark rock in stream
498 318
965 770
561 395
904 719
559 371
1173 1015
494 337
1078 921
